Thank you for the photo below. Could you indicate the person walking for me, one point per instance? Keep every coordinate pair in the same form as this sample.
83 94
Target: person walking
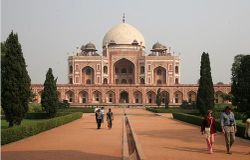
103 113
95 111
110 118
98 118
208 128
247 130
228 126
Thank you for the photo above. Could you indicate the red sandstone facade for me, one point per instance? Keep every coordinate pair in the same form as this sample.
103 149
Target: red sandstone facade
125 73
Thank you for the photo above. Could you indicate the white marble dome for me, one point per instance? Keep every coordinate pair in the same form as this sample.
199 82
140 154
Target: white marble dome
123 33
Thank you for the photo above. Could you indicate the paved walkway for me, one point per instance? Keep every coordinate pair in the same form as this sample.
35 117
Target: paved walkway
160 138
74 141
164 138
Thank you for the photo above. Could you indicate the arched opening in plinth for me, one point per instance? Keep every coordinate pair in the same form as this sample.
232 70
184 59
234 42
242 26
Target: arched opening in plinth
165 96
83 97
124 97
124 72
137 97
97 97
70 96
178 97
191 97
110 97
151 97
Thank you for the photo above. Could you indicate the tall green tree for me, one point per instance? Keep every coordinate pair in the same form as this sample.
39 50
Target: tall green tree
205 95
243 86
49 96
15 81
235 78
158 97
166 103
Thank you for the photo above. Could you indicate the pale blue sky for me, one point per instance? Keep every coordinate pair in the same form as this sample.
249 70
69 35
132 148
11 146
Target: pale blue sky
50 29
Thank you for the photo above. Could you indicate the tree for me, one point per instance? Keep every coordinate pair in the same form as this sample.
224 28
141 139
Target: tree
166 101
158 97
234 79
226 97
15 81
243 85
49 98
205 95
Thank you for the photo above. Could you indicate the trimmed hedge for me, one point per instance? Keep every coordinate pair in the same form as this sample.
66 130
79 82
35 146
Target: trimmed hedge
78 109
19 132
196 120
43 115
171 110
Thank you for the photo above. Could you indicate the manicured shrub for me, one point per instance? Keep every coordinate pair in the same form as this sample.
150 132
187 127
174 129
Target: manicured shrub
197 120
19 132
43 115
78 109
171 110
35 108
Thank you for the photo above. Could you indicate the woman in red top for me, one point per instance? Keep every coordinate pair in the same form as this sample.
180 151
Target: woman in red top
208 128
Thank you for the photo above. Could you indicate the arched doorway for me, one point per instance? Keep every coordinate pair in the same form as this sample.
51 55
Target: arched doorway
191 97
124 97
97 97
151 97
137 97
70 96
110 97
88 75
160 75
124 72
165 96
83 97
178 97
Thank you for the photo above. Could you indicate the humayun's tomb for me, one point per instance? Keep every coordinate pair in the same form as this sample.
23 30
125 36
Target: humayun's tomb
125 73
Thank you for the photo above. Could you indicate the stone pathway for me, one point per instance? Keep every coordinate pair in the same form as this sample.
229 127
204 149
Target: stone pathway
164 138
160 138
74 141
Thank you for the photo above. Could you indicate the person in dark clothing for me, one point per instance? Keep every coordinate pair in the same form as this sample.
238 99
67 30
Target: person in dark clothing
208 127
98 118
110 118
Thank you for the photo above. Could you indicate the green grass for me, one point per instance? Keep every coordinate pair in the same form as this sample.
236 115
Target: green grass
5 124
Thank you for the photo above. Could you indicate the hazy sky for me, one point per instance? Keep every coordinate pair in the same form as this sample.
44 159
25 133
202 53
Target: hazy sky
50 30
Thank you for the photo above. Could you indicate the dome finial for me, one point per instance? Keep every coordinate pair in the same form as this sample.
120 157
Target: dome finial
123 18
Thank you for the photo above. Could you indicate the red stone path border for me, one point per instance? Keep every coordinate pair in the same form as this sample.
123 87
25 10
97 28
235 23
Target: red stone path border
79 140
163 138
